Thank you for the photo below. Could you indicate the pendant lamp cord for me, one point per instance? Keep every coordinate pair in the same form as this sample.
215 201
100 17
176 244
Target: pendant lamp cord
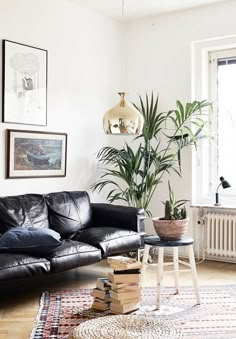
123 46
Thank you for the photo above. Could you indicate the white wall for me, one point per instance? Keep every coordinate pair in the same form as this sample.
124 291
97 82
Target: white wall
159 59
83 79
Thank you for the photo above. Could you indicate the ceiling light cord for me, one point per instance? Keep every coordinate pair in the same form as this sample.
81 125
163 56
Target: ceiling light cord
123 46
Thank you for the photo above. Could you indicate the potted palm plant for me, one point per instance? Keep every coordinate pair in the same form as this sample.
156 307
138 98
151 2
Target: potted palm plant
133 174
175 222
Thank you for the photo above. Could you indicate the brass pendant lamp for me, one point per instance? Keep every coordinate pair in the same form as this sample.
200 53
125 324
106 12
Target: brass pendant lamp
123 118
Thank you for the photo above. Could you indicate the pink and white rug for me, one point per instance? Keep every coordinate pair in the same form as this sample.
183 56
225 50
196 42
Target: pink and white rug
61 311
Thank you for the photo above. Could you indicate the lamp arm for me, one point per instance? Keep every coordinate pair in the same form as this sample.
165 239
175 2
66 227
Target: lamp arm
218 187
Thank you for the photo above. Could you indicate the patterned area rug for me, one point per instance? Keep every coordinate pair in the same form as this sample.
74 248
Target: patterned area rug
215 318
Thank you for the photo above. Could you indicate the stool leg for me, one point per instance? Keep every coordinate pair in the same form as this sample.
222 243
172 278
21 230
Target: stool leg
138 254
144 261
194 272
176 268
159 275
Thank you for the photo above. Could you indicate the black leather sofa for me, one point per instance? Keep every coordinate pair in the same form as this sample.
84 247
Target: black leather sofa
89 232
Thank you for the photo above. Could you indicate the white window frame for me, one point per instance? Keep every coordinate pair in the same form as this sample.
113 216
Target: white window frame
203 186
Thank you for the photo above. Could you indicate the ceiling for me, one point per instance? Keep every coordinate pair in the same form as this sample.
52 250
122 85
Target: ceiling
135 9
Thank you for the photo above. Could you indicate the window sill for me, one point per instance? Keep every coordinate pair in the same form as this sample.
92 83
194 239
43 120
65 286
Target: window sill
212 206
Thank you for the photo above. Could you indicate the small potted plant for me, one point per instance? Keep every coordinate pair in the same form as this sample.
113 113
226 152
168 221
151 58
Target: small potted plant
175 222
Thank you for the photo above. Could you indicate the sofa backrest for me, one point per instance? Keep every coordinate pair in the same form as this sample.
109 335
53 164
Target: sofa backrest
28 210
69 212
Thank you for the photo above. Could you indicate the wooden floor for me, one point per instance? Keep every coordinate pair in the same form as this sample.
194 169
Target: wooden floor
19 301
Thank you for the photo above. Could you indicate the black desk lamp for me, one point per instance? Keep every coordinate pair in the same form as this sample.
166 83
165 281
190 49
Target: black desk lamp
224 184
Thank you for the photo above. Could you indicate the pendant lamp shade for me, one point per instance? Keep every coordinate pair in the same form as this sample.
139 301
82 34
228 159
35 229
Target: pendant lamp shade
123 118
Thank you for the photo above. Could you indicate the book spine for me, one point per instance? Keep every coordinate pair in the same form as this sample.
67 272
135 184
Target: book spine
125 295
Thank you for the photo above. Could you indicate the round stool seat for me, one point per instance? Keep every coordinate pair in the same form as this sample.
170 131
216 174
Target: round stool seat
154 240
126 327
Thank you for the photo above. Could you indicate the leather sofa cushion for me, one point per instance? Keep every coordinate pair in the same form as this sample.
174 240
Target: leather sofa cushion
69 212
21 266
33 240
29 210
111 240
71 254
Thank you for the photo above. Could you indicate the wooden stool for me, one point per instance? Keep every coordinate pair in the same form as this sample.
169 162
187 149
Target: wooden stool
186 241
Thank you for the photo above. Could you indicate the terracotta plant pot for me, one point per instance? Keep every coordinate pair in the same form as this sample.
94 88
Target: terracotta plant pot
170 229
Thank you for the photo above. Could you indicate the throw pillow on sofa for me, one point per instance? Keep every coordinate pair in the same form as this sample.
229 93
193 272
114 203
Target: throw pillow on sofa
32 240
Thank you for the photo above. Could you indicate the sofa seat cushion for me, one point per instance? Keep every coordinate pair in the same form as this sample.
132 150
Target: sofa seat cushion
33 240
111 240
71 254
21 266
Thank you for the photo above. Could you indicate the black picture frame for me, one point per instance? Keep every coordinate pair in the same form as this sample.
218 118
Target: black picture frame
35 154
24 84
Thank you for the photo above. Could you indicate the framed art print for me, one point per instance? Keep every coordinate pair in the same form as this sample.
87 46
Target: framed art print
34 154
24 84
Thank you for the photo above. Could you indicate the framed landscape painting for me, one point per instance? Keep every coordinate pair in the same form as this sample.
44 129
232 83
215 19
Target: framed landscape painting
34 154
24 84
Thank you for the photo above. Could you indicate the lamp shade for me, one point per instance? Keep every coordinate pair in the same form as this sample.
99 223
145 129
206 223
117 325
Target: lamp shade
123 118
225 184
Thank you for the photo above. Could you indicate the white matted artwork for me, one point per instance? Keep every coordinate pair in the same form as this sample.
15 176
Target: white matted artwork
24 84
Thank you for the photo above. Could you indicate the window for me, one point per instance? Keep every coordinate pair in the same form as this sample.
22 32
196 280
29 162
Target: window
222 141
214 78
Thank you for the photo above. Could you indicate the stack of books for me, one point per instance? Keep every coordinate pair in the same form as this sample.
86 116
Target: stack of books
101 295
125 292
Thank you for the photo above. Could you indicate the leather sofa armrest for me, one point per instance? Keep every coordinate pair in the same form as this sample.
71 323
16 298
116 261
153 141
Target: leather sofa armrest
108 215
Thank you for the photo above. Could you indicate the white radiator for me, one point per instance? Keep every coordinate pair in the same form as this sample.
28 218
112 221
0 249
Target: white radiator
221 236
